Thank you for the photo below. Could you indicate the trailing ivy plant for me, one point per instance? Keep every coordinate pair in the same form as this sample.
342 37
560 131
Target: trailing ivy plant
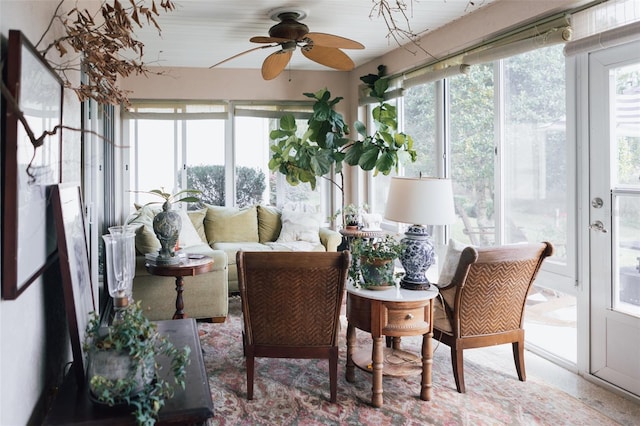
133 334
322 149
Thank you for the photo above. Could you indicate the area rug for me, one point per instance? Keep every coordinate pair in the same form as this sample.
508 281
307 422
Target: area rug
296 392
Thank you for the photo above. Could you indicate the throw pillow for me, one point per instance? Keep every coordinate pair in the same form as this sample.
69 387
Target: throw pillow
146 241
188 234
230 224
454 249
269 224
299 226
197 219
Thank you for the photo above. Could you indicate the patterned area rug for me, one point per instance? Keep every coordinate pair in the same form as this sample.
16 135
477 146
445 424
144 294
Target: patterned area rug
296 392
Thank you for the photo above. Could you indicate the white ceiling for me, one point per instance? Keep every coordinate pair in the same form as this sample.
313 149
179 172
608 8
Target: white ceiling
200 33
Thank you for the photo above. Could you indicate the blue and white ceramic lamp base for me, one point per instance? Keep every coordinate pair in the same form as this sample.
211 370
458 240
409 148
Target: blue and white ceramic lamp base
417 258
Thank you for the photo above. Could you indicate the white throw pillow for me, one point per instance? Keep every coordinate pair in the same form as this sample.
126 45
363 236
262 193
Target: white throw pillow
299 226
188 234
451 260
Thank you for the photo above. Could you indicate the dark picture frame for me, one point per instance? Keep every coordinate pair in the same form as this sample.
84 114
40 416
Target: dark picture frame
74 269
28 237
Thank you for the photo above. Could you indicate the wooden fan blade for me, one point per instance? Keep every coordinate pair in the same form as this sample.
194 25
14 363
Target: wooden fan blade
242 53
329 56
275 63
261 39
330 40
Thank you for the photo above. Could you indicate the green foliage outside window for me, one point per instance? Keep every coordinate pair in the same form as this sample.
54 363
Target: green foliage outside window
209 180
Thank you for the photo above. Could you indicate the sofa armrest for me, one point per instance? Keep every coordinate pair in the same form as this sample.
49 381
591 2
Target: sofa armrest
330 239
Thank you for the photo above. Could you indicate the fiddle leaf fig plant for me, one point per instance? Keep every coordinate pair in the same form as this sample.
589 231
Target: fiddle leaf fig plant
322 149
380 151
307 157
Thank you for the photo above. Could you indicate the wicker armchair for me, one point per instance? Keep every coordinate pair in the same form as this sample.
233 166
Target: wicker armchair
291 307
485 301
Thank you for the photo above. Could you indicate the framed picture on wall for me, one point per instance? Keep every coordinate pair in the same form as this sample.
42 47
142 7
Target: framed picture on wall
28 236
74 268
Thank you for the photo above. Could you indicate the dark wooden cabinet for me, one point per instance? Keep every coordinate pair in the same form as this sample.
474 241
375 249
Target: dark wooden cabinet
193 405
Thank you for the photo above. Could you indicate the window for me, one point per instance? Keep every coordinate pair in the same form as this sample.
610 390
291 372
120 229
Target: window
535 149
178 145
471 139
499 132
254 181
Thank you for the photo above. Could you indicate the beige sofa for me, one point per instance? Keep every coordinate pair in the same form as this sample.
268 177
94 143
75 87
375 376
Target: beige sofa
219 232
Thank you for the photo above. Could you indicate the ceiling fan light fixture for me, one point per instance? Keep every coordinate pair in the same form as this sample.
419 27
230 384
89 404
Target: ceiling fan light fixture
288 27
289 46
275 14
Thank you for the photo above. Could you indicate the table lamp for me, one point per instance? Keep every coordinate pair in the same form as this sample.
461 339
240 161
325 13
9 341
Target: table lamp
419 201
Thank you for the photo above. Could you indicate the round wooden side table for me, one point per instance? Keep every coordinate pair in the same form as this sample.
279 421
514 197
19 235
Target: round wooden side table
352 234
192 265
392 313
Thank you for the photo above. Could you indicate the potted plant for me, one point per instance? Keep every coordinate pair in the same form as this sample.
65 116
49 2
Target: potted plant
321 151
373 264
123 368
352 216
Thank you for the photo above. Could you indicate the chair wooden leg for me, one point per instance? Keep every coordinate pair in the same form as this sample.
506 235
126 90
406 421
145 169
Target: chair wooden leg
518 357
333 375
458 368
250 362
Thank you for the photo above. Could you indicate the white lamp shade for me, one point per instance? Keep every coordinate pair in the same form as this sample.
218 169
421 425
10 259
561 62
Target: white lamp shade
420 201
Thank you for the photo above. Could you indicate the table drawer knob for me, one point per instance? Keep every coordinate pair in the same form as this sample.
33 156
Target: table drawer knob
409 316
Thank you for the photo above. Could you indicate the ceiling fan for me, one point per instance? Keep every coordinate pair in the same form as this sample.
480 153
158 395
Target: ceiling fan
288 34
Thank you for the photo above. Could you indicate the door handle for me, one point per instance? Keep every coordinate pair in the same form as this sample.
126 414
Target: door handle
598 226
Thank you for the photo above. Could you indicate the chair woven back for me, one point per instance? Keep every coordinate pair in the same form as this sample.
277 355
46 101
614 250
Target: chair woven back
292 299
492 297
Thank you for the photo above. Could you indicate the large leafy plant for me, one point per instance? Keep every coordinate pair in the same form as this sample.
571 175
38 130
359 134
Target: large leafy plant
381 150
322 149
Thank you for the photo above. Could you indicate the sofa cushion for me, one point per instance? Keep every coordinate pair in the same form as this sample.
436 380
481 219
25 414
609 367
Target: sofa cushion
299 226
296 246
232 248
230 224
269 223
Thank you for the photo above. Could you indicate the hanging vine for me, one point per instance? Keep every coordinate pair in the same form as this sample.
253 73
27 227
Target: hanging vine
396 15
104 43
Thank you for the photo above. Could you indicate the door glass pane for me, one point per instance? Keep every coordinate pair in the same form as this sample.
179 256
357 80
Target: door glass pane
534 149
471 112
205 159
627 259
626 182
626 111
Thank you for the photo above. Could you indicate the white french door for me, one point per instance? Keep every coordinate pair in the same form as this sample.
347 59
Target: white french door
614 215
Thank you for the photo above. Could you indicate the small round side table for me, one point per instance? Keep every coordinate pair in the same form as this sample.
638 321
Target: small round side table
393 313
352 234
189 267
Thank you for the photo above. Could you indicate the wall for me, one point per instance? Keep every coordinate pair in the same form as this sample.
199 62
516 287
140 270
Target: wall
34 344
